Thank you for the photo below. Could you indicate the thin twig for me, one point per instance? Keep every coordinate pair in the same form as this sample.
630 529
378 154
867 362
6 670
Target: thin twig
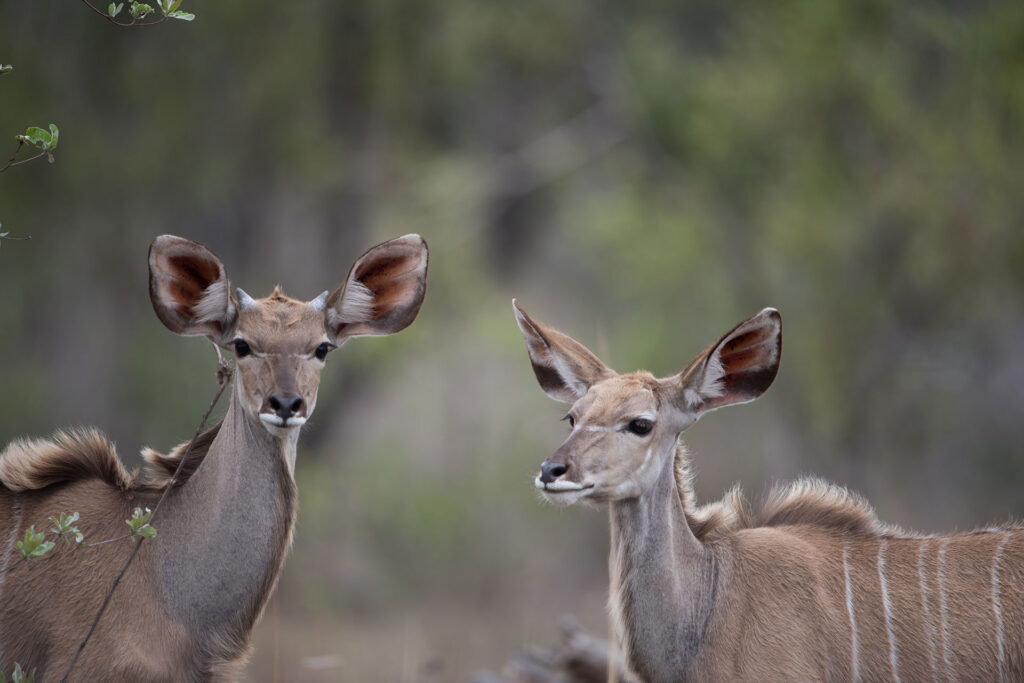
223 377
109 540
12 162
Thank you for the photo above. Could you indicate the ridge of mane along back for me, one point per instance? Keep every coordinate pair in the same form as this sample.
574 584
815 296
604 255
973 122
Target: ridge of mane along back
79 454
807 501
72 455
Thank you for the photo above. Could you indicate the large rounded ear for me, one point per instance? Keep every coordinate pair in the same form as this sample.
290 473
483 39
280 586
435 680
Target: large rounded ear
564 368
738 368
189 289
382 293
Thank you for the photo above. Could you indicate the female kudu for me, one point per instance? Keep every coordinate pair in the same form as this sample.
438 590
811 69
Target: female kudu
185 609
812 588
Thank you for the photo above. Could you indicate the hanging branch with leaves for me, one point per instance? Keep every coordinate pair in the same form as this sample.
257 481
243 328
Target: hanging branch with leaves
139 11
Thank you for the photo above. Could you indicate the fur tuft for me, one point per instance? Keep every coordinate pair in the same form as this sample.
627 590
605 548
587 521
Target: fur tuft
161 468
815 502
30 464
809 501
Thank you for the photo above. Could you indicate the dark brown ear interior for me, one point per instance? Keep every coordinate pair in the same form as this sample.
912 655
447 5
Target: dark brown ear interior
736 369
750 359
565 369
384 290
188 287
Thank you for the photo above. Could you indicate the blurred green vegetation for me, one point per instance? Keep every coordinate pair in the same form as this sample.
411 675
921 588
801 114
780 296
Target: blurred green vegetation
641 175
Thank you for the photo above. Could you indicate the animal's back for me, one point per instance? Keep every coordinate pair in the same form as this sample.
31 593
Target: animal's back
49 604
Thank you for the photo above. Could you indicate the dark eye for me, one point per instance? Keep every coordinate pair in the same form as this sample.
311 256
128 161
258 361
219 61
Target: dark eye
321 351
640 426
242 349
571 419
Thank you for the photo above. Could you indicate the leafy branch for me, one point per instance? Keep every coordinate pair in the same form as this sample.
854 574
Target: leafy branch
45 140
139 11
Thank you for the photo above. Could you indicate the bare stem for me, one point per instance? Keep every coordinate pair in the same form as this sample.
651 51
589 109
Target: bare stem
223 377
10 162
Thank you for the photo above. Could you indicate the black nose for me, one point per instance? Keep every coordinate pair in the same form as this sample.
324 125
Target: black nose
549 471
285 406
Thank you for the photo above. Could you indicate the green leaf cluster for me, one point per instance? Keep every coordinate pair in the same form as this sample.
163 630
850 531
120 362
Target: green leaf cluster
45 140
63 526
139 524
140 10
34 546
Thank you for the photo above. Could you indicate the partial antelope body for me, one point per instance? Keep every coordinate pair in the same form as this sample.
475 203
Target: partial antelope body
811 588
186 607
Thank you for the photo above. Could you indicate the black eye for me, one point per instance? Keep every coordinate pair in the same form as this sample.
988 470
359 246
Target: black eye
640 426
242 349
571 419
321 351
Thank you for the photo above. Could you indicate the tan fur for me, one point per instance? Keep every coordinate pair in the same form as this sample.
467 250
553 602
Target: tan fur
185 609
811 587
28 464
161 468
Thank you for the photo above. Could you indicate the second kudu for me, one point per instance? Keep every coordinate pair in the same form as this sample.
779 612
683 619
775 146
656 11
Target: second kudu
186 607
811 588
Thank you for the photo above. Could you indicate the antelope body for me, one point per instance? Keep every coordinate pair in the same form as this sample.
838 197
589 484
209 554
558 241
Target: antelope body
811 588
185 608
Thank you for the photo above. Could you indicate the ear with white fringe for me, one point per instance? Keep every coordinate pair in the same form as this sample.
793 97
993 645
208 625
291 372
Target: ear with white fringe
738 368
188 287
382 293
565 369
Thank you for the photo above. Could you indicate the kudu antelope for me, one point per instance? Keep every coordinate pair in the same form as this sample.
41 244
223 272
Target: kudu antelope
186 607
811 588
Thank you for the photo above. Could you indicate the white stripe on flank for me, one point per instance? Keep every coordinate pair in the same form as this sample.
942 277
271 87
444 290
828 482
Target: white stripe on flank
925 610
887 606
854 647
943 608
996 606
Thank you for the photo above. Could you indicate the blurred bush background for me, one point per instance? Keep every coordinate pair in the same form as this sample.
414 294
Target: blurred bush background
641 175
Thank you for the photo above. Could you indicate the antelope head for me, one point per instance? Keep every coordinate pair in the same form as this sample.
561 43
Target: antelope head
624 427
281 343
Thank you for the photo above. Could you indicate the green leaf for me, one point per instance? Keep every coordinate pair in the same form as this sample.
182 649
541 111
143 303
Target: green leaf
139 524
115 9
184 16
5 68
175 4
64 527
36 136
22 676
34 546
54 134
139 10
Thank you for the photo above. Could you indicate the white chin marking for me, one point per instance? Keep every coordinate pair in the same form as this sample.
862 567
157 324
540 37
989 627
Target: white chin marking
563 497
271 420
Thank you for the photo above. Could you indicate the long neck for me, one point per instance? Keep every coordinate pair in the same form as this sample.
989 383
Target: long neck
222 536
664 580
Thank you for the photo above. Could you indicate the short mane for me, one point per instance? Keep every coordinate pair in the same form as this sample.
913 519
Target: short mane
161 468
74 455
28 464
808 501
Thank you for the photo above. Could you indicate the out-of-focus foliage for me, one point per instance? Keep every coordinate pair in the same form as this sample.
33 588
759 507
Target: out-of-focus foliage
641 175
